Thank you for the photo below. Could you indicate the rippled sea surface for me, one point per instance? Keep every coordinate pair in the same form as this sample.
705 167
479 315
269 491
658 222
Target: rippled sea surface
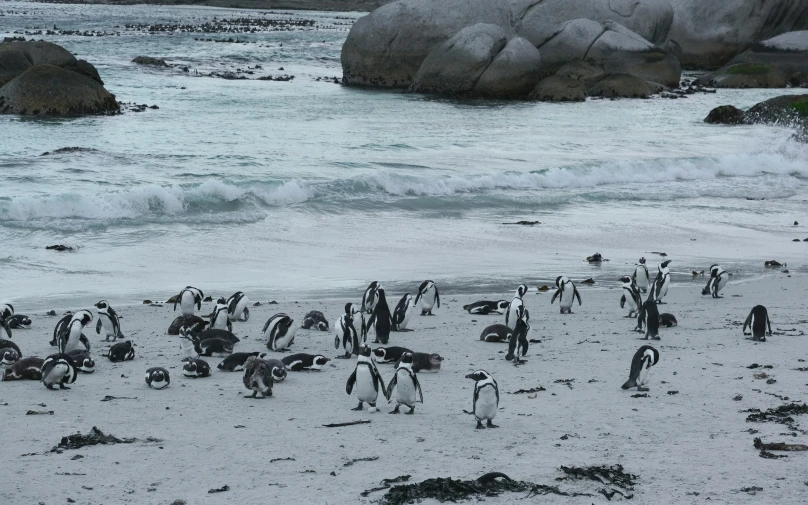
291 188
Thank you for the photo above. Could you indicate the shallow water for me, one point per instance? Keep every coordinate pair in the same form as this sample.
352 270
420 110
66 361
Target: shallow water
287 188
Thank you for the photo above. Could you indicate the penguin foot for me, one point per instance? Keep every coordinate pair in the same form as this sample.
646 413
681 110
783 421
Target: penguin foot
50 386
376 341
640 388
491 425
656 337
480 425
411 412
62 386
359 408
395 410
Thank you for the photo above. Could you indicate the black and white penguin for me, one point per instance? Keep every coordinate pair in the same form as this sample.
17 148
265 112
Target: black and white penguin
315 320
189 298
122 351
220 334
157 378
485 307
631 296
187 344
237 309
402 313
84 362
235 362
512 315
210 346
302 361
405 382
347 334
566 293
19 322
429 297
25 369
70 338
8 357
425 362
648 315
496 333
641 277
518 343
718 279
645 357
367 379
390 354
258 377
192 322
279 332
60 327
108 321
196 368
659 288
219 319
370 298
277 368
380 320
58 369
668 320
486 398
6 313
9 344
758 322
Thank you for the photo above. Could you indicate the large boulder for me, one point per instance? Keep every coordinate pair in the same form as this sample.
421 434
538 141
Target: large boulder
620 86
514 72
559 89
787 52
788 110
150 60
725 114
711 33
745 75
51 90
16 57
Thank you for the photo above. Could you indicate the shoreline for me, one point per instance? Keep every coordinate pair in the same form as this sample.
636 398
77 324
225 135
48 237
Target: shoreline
265 5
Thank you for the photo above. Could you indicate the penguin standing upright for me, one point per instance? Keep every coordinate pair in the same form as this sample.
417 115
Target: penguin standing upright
659 288
631 296
758 321
518 343
347 335
70 338
108 321
512 315
486 398
718 279
6 313
380 320
219 319
279 332
641 277
403 313
367 379
370 298
189 298
648 314
187 344
566 294
58 369
406 384
645 357
237 309
429 297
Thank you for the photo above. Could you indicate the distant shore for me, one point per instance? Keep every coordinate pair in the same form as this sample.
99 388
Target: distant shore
306 5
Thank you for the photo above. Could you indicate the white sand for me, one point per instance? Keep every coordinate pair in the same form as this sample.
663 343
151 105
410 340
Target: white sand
695 441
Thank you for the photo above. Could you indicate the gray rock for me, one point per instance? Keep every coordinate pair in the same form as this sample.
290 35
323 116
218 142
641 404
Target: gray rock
787 52
581 71
745 75
17 57
148 60
620 86
788 110
711 33
513 73
559 89
725 114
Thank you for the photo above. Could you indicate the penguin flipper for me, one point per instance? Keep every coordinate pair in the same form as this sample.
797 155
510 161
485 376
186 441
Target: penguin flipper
769 324
351 381
177 299
6 327
388 393
576 294
380 380
557 293
418 387
748 321
98 326
630 384
366 327
623 301
437 300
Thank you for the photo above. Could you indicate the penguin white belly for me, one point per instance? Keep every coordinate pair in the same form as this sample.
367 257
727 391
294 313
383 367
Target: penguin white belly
428 299
73 340
220 323
663 291
513 313
643 375
106 326
486 406
187 303
364 385
358 322
286 340
407 316
641 278
187 348
632 304
722 281
240 306
566 298
159 384
405 389
56 374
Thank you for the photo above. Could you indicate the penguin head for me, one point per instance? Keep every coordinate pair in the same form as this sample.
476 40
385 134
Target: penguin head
479 375
714 269
322 326
102 306
425 286
503 304
262 355
380 352
320 360
364 351
157 375
349 309
406 358
25 321
521 290
221 302
382 299
278 373
86 365
8 356
190 366
6 311
435 359
664 264
625 279
642 261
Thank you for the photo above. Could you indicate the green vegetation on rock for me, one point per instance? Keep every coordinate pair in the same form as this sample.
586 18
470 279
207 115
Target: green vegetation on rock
749 69
801 107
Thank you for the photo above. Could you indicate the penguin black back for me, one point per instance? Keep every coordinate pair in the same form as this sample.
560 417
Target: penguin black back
758 322
381 319
649 315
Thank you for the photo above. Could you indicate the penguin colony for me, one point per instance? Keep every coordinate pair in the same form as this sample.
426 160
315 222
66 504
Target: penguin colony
212 335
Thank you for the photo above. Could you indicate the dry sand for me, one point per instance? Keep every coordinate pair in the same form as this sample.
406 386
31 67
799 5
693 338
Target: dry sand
692 442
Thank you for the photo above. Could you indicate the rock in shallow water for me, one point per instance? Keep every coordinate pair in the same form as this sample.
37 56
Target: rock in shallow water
725 114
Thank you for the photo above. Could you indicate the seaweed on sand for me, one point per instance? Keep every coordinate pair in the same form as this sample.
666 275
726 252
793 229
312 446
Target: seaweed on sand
781 415
95 437
612 476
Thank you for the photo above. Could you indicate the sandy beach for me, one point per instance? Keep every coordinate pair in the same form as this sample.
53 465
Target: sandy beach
686 447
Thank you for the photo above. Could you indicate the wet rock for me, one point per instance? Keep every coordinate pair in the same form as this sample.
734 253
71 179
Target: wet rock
725 114
559 89
745 75
620 86
149 60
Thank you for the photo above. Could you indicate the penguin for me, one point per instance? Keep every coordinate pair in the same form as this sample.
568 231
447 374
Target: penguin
649 315
758 321
347 335
6 312
641 277
486 398
403 313
303 361
406 384
429 297
210 346
237 307
157 378
187 299
235 362
277 368
192 322
370 298
315 320
380 320
513 309
216 333
196 368
367 379
8 344
631 296
566 294
718 279
219 319
258 377
122 351
390 354
60 327
424 362
496 333
108 320
187 345
659 288
70 338
25 369
19 322
58 369
645 357
279 332
486 307
518 344
8 357
668 320
84 362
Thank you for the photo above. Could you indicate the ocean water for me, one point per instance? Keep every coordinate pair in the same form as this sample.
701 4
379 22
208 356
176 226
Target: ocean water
288 189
